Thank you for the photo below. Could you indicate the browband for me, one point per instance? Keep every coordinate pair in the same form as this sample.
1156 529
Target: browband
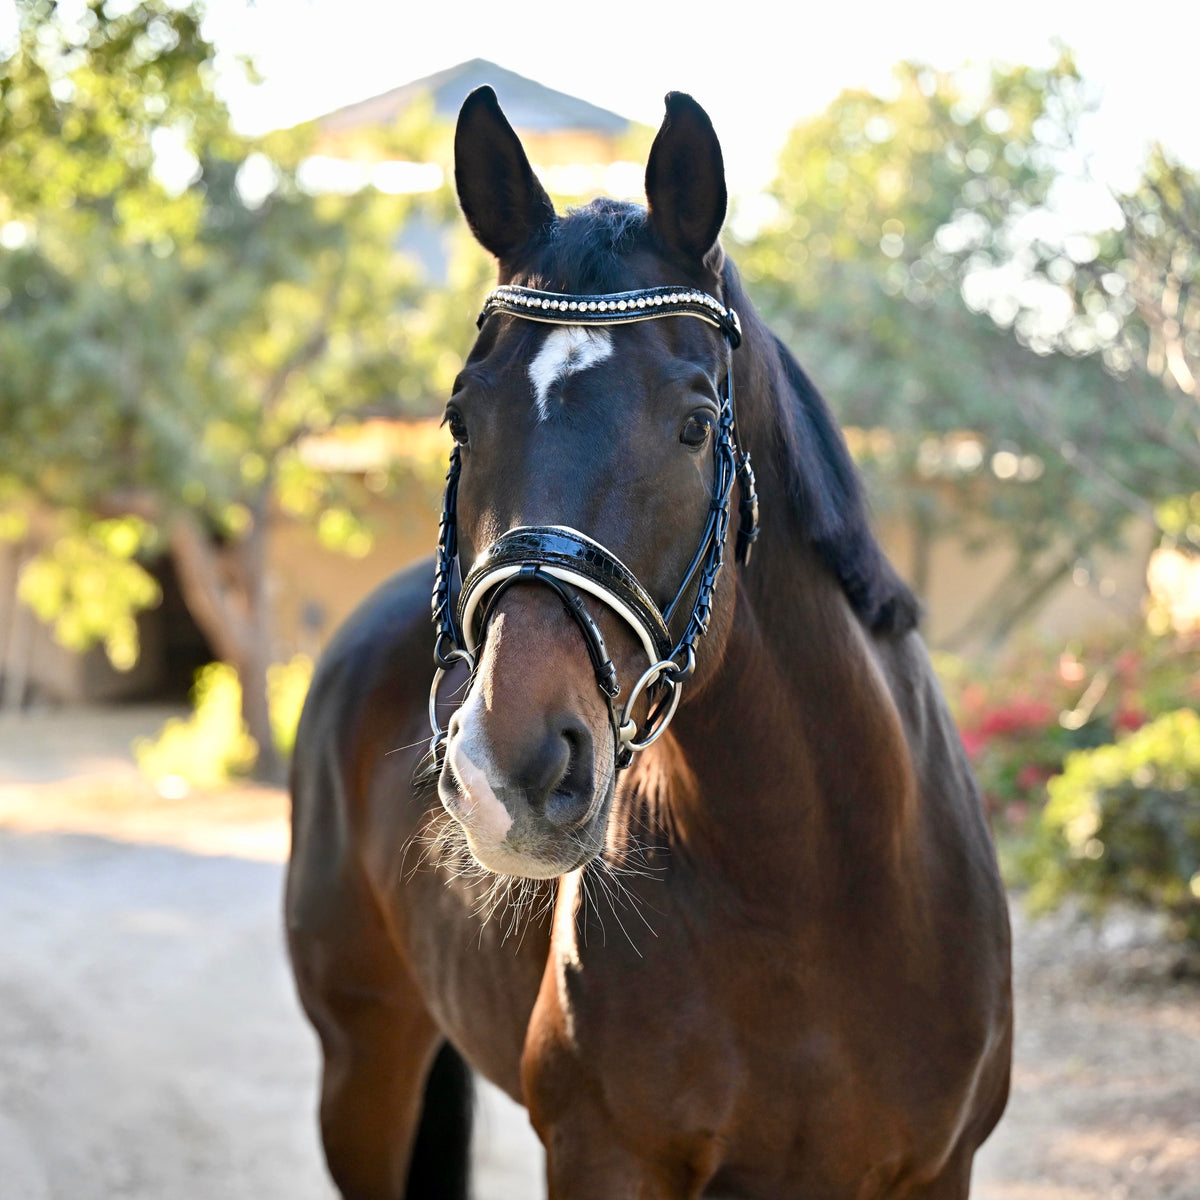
614 308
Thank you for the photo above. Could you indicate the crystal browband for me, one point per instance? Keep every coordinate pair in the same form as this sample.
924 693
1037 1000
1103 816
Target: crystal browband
615 308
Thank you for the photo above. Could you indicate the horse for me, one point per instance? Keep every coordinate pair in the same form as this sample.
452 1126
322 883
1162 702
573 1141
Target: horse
696 869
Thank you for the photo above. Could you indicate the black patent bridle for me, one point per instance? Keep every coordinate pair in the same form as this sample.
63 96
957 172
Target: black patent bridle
569 562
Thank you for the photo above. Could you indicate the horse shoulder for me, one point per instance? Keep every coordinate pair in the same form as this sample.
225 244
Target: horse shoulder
958 871
367 697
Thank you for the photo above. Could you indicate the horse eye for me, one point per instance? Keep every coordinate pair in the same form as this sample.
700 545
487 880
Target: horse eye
696 430
457 426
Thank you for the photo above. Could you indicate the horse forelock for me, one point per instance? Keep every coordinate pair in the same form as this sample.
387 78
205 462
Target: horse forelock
588 251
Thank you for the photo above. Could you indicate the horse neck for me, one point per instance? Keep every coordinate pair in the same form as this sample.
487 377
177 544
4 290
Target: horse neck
794 747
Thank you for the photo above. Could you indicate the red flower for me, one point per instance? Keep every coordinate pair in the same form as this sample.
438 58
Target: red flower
1128 663
973 742
1017 814
1021 716
1130 719
1032 775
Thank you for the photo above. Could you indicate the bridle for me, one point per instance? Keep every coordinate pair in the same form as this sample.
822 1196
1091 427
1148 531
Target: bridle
570 562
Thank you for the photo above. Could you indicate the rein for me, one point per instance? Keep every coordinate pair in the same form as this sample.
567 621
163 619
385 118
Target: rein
570 562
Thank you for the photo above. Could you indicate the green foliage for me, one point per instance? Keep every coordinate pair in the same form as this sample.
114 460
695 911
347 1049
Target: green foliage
175 334
207 748
1179 517
1089 761
88 585
1123 822
1019 724
1137 301
179 313
916 262
287 686
213 745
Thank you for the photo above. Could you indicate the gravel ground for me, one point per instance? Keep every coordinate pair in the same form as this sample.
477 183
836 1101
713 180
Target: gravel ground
1106 1081
151 1047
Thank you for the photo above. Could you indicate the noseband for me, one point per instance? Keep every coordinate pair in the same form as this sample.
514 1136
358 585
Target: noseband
570 562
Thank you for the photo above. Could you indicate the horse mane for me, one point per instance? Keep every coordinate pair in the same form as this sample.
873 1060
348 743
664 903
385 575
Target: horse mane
587 251
824 486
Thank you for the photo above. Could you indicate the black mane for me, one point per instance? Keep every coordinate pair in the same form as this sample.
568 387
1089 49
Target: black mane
831 504
824 486
588 251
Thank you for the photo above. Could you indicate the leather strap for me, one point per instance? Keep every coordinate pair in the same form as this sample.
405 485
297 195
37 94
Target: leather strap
574 558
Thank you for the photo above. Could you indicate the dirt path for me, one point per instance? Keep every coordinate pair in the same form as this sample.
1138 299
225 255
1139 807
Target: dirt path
151 1047
1106 1081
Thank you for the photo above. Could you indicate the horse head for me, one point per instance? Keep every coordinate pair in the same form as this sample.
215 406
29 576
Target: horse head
603 449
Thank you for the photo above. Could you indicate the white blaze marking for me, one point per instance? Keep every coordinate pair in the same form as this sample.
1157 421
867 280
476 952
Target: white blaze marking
568 350
483 813
480 811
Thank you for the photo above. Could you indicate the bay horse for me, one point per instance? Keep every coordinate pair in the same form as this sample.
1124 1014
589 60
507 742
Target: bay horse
747 936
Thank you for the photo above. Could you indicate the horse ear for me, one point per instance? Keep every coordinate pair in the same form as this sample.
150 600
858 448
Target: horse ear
501 198
685 179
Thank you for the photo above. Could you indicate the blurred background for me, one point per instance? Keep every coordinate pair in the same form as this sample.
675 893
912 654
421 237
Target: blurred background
234 290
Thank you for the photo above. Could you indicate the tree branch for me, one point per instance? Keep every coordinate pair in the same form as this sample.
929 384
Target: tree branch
206 594
1034 414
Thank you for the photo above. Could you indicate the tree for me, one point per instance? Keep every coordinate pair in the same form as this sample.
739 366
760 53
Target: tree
890 213
1136 307
179 314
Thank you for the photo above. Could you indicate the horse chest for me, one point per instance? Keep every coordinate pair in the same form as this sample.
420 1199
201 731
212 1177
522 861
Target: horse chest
749 1066
748 1105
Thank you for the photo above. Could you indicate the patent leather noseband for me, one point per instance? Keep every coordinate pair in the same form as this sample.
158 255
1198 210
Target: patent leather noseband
570 562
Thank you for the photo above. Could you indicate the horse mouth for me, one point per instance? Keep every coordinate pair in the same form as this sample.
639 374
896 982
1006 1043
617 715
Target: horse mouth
506 835
502 860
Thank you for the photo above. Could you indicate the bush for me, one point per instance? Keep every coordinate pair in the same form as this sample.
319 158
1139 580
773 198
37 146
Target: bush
287 685
206 748
1123 821
213 745
1020 724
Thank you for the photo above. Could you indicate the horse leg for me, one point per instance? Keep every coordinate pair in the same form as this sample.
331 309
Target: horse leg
378 1043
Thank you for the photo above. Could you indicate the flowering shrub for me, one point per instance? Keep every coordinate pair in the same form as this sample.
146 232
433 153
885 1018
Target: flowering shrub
206 748
1019 725
1089 761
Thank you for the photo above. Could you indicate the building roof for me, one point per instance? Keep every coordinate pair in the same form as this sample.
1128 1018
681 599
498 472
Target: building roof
528 105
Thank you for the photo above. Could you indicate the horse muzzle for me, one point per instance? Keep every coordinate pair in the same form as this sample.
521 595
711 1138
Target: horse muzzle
530 779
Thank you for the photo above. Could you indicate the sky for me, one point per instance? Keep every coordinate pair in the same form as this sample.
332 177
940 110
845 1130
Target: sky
758 68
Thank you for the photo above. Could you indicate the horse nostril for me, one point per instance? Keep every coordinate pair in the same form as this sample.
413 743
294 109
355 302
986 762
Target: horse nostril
571 799
579 743
556 777
542 768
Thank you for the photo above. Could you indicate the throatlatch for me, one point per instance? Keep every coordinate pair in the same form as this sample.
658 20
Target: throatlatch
570 562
